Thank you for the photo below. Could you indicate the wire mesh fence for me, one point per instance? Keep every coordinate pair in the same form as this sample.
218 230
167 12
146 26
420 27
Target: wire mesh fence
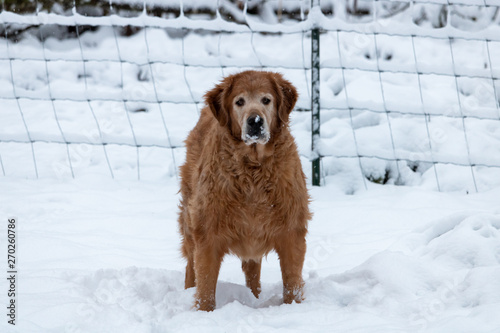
409 90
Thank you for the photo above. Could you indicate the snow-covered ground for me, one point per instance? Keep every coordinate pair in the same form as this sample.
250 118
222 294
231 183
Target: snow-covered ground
98 255
98 249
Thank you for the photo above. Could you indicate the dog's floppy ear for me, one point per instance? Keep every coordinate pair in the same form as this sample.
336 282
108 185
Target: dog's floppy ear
287 97
215 99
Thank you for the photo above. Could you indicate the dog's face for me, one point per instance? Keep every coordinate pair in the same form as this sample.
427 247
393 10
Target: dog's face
252 105
253 110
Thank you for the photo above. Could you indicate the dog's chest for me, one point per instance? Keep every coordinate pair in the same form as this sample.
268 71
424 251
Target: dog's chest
254 214
254 228
255 190
251 248
254 223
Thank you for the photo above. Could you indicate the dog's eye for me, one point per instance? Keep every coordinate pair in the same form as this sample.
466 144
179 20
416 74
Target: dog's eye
240 102
265 100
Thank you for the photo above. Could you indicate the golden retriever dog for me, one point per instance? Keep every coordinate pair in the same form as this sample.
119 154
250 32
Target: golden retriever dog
243 189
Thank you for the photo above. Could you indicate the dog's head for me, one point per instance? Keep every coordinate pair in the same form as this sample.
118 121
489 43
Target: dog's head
253 105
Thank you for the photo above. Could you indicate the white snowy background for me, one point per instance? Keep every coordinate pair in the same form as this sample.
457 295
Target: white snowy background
97 238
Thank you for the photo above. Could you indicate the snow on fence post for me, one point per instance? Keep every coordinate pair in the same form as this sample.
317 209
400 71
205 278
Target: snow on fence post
315 88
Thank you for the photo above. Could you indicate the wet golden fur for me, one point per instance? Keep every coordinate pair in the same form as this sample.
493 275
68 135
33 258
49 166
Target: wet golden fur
244 198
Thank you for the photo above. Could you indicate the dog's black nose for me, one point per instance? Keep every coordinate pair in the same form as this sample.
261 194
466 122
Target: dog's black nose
255 125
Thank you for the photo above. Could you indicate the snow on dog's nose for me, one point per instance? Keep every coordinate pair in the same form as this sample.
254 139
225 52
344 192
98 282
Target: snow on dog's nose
255 130
255 126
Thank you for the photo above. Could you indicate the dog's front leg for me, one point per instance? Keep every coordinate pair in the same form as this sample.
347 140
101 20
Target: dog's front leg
207 263
291 249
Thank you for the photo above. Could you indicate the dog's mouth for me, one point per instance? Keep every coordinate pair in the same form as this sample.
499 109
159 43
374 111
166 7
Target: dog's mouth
255 130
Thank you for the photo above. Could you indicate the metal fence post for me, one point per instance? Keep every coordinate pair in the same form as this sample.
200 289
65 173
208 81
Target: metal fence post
315 87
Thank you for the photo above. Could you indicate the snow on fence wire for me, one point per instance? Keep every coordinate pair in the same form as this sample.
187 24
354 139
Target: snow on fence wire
409 90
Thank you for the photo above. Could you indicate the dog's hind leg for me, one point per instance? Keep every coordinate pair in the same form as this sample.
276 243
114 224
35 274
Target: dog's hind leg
251 268
188 251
